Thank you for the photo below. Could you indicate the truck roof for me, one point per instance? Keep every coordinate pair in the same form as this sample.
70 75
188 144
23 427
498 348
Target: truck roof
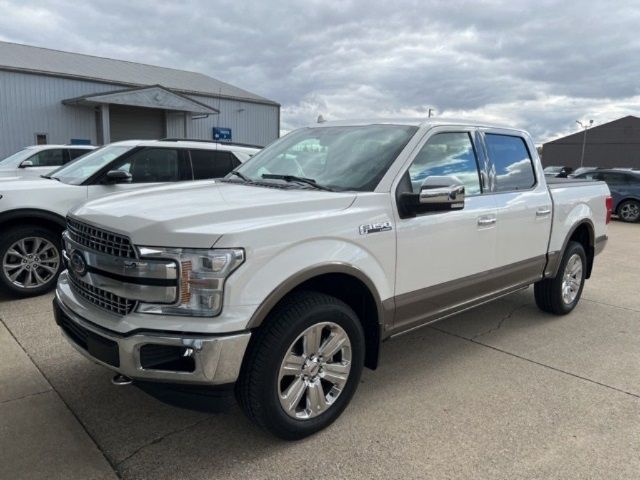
418 122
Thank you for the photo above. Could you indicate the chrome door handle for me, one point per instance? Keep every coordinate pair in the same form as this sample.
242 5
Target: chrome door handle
541 212
484 221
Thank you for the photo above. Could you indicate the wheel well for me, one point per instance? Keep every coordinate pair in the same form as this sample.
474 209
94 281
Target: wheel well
357 295
584 235
42 222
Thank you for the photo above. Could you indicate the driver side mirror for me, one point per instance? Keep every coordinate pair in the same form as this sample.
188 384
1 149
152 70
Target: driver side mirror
117 176
26 163
442 192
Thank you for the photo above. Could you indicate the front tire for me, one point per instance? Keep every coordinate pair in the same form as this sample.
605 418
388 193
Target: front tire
303 365
629 211
31 260
561 294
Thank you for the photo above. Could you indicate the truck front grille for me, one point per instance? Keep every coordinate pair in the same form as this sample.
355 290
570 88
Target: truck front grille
100 240
101 298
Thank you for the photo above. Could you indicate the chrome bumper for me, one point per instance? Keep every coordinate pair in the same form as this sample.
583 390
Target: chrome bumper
216 360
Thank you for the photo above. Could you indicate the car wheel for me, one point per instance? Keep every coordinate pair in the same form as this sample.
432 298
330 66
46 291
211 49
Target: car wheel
31 260
560 295
629 211
302 366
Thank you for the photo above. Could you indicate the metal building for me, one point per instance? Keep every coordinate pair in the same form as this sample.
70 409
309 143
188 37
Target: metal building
50 96
613 144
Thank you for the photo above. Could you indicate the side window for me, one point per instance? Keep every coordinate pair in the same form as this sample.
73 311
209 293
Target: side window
77 152
48 158
151 165
512 162
449 154
212 163
615 178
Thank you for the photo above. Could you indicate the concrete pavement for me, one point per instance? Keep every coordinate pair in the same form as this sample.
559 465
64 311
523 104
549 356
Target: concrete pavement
503 391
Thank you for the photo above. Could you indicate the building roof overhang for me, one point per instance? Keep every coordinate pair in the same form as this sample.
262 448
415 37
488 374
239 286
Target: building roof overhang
155 96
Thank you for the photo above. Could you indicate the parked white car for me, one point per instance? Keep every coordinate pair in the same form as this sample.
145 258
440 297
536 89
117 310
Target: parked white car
32 211
285 276
40 159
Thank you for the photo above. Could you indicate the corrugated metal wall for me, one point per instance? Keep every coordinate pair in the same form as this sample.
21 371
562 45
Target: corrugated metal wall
31 104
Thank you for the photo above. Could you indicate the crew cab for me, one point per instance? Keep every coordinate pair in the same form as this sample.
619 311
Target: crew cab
284 278
33 210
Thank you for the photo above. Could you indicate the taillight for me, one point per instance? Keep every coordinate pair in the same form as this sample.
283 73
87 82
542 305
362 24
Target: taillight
609 204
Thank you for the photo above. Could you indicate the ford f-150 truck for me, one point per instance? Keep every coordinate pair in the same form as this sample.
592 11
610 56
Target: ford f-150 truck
285 277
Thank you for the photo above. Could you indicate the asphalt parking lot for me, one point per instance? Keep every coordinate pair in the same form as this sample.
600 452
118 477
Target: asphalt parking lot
503 391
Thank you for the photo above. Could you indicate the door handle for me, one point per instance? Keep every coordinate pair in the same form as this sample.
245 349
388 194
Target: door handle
484 221
542 212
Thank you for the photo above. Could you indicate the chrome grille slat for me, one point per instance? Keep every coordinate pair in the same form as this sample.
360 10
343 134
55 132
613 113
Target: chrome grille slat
100 240
101 298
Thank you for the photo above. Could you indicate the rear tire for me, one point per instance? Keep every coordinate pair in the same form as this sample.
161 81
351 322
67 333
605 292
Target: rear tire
323 383
31 260
629 211
561 294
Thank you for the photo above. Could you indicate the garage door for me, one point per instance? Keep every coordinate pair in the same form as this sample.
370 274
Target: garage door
136 123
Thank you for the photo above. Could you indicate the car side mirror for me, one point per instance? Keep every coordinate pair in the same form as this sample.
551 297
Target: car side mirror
26 163
117 176
442 193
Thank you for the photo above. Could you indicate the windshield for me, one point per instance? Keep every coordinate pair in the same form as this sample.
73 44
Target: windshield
552 169
14 161
338 158
79 170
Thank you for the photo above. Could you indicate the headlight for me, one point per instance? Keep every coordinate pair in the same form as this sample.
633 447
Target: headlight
202 276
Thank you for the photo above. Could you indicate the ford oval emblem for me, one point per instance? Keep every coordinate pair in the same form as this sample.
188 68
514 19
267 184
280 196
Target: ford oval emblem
77 263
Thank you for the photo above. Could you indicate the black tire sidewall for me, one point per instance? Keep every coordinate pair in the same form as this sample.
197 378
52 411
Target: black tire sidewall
276 418
572 248
15 234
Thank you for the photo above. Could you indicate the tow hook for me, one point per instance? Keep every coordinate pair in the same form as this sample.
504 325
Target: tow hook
121 380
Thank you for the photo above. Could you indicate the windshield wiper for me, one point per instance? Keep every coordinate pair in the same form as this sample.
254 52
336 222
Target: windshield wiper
49 177
293 178
240 175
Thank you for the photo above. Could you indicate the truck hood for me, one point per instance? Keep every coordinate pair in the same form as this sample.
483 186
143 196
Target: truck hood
197 214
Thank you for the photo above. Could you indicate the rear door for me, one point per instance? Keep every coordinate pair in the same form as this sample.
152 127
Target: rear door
443 257
523 204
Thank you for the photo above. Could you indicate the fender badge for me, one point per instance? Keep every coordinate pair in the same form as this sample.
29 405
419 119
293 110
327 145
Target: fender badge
375 228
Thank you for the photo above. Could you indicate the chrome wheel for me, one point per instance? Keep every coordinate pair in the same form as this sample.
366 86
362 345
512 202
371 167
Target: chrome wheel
314 371
630 211
572 279
31 262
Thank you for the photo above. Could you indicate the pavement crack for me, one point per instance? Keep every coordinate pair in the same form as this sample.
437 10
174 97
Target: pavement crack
610 305
156 441
28 395
501 322
556 369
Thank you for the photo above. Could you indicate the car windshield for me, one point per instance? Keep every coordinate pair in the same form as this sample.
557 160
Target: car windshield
336 158
14 161
552 169
79 170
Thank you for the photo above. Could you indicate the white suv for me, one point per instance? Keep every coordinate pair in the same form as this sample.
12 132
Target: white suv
40 159
33 210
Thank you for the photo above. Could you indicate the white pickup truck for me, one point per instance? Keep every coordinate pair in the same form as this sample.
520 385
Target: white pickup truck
285 277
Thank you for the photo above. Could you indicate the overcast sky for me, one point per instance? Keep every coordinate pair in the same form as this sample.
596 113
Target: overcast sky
539 65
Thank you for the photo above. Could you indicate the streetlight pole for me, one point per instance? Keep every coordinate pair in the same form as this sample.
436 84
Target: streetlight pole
584 138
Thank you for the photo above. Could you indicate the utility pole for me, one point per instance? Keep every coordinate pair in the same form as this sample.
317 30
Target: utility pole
584 138
430 112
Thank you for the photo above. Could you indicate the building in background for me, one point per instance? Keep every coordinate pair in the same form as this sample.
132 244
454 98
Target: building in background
49 96
613 144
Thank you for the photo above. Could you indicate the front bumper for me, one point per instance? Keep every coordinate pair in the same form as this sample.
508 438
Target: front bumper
155 356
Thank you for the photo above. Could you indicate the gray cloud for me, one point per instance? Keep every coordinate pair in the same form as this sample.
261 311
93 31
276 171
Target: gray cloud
538 65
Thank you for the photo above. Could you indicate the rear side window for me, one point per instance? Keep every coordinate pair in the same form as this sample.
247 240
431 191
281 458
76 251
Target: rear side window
212 163
77 152
512 162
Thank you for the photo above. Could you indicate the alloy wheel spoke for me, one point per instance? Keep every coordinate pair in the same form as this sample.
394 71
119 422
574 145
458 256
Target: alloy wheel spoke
311 340
336 373
316 400
15 275
332 344
294 393
13 252
292 365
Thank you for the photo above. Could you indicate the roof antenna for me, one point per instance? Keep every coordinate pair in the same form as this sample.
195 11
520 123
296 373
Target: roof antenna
321 119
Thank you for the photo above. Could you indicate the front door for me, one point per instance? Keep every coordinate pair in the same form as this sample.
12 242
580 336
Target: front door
443 257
